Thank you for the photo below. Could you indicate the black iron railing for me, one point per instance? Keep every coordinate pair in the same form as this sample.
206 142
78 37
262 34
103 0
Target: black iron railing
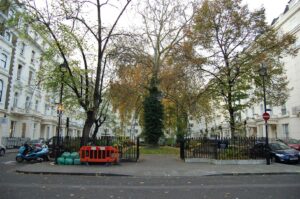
220 148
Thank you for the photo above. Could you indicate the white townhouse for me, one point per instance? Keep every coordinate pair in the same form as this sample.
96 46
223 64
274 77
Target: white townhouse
285 120
26 110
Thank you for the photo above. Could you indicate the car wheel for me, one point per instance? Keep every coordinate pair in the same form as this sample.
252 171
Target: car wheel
19 159
2 152
273 159
277 159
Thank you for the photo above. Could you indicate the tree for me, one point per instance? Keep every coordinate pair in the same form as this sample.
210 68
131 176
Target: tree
83 44
232 42
154 53
127 92
164 23
153 117
183 95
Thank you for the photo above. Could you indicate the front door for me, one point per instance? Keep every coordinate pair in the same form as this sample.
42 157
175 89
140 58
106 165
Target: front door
23 130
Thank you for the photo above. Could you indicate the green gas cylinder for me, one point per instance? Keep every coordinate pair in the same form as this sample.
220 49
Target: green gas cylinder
61 160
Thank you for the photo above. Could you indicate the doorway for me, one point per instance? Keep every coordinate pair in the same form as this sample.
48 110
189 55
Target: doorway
23 130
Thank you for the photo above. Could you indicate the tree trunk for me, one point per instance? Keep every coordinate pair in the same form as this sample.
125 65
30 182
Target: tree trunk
232 121
231 112
95 133
87 127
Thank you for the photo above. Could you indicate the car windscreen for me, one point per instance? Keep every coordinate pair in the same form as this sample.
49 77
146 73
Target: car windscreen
278 146
293 141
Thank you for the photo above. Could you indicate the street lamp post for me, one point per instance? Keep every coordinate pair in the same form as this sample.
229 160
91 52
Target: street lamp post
60 111
263 73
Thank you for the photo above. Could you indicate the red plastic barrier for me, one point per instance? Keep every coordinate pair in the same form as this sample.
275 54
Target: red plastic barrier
99 154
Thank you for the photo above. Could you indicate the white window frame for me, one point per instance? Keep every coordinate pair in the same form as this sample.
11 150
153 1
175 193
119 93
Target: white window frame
36 105
1 89
10 13
262 108
30 77
16 99
19 71
4 60
285 130
7 35
283 110
22 48
32 56
27 103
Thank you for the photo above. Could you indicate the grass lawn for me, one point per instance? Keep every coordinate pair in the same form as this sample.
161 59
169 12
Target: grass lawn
159 150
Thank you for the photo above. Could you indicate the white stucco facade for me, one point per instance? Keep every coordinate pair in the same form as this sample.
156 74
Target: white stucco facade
285 120
26 110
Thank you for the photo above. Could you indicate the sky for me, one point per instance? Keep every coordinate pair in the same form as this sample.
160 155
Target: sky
273 7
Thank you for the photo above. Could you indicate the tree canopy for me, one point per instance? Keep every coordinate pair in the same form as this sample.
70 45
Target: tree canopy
233 42
80 43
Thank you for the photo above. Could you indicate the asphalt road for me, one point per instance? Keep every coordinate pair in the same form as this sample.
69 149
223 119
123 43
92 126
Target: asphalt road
14 185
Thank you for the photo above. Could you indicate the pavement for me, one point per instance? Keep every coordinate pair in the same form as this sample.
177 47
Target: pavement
158 166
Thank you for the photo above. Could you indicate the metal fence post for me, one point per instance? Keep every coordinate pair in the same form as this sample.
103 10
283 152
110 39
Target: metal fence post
216 148
182 149
137 148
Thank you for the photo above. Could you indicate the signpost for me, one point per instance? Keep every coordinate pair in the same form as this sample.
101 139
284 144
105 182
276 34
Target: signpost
266 116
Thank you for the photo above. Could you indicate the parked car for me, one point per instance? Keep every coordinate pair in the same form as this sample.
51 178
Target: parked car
279 152
2 150
293 143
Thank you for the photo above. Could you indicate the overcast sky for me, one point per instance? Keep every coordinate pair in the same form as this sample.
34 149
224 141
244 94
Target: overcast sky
273 7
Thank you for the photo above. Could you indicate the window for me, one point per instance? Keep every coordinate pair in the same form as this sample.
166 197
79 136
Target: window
26 28
262 108
38 85
3 60
7 36
20 23
19 72
285 130
11 13
36 36
34 129
283 110
27 103
32 56
47 107
36 105
16 96
2 31
48 132
1 89
30 77
12 128
271 110
23 130
22 48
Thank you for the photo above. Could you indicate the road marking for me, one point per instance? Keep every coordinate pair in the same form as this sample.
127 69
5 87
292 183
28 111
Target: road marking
10 162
